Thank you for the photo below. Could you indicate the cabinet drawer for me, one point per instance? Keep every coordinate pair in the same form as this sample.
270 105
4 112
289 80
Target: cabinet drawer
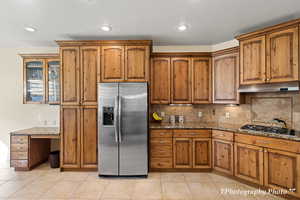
19 163
273 143
19 139
192 133
161 141
19 155
222 135
161 133
161 163
161 151
19 147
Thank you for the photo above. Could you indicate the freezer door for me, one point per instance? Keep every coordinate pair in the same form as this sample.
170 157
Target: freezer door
108 127
133 135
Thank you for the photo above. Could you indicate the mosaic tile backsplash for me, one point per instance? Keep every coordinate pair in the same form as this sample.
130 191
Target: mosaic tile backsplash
260 108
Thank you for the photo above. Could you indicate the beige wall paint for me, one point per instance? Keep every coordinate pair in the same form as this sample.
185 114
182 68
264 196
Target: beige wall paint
13 113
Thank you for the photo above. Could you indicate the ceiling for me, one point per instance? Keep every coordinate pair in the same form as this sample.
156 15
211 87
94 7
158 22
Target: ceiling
209 21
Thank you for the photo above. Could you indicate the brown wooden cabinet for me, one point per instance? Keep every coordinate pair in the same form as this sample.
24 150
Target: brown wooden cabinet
201 153
201 80
249 163
160 80
282 49
89 74
181 80
70 75
183 152
225 77
223 156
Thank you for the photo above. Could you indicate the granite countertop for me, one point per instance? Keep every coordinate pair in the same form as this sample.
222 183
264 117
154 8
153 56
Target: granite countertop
37 131
222 127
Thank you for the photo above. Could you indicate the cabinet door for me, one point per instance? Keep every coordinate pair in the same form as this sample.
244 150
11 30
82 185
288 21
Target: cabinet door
70 136
70 75
201 153
137 63
90 69
52 81
201 77
249 163
112 64
283 55
282 170
182 152
225 75
89 137
252 63
181 80
160 80
223 156
34 81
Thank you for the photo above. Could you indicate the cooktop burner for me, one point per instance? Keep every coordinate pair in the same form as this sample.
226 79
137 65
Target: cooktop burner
268 129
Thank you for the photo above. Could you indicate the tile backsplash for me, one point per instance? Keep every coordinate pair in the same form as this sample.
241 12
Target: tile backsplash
260 108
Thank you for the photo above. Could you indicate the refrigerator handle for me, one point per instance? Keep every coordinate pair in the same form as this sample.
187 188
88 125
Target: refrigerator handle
116 124
119 119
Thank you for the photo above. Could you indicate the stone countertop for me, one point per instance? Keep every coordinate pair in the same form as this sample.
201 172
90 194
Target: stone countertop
222 127
37 131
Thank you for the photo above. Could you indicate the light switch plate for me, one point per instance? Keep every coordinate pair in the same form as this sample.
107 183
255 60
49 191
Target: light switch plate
162 114
200 114
227 115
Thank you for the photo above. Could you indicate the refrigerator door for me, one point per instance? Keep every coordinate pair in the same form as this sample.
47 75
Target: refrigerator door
133 134
108 154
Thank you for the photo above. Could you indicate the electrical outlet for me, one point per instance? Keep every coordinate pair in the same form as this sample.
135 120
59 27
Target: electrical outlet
227 115
162 114
199 114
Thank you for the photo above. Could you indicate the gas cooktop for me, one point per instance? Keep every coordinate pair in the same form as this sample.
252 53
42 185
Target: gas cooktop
268 129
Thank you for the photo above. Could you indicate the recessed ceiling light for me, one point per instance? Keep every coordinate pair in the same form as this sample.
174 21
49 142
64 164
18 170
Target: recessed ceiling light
182 27
106 28
30 29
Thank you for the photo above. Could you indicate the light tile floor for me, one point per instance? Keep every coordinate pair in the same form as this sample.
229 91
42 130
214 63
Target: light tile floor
45 183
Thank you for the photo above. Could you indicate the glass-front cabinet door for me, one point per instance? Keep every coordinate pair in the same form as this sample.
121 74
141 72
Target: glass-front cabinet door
53 89
34 72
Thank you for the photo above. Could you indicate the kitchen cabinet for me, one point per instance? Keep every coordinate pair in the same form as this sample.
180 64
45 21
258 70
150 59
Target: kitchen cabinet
70 75
249 163
201 152
41 78
160 83
89 74
253 61
181 80
225 77
282 49
70 137
183 152
201 80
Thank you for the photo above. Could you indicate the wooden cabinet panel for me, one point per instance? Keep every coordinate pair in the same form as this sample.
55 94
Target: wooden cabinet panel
136 63
181 80
222 135
249 163
182 150
161 151
201 153
163 163
252 61
160 80
223 156
161 133
225 75
90 69
201 80
70 137
70 91
282 170
112 63
283 55
89 137
190 133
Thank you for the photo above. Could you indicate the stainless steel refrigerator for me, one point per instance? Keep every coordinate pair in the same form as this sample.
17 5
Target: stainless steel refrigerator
123 129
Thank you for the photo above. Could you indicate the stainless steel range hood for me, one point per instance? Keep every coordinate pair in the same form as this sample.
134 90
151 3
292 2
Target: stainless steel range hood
270 87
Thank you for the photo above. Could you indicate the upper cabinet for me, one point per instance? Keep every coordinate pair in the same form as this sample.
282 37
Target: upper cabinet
225 76
270 55
41 78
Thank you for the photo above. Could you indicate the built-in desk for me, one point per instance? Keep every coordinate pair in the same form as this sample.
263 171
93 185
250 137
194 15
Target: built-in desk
31 147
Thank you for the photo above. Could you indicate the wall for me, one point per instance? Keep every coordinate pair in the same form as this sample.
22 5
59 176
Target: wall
13 113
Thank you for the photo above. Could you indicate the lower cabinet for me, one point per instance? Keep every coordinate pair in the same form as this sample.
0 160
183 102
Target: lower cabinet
201 153
183 152
249 163
223 156
79 137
